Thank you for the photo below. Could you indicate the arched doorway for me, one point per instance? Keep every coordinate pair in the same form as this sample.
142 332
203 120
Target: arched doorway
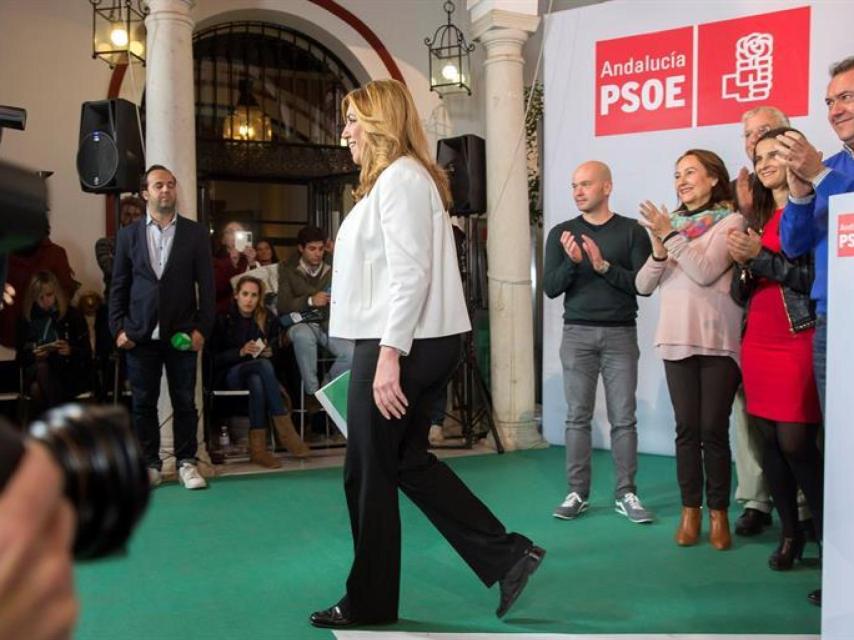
268 122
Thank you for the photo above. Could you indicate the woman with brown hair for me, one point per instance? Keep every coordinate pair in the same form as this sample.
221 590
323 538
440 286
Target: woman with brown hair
698 333
242 345
396 291
52 344
776 352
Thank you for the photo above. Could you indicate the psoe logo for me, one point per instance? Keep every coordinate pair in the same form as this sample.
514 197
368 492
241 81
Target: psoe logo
753 77
753 60
845 236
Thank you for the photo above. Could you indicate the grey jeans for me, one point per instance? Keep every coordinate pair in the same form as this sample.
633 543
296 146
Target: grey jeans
586 352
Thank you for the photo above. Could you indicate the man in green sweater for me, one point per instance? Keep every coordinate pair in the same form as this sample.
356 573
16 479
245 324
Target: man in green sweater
592 261
304 287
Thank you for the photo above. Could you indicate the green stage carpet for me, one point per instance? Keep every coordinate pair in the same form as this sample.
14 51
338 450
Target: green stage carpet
252 556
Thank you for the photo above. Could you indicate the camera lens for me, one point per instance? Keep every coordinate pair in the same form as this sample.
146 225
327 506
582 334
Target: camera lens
106 479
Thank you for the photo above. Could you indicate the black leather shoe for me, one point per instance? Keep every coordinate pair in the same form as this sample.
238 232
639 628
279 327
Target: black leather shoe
331 618
808 527
815 597
511 585
751 522
789 550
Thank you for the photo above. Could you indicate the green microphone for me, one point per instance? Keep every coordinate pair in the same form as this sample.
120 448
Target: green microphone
181 341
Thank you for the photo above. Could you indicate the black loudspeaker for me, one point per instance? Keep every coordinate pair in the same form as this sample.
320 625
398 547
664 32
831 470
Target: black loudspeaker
109 155
464 158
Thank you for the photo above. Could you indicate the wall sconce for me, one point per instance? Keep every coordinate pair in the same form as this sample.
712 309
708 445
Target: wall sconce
450 66
118 31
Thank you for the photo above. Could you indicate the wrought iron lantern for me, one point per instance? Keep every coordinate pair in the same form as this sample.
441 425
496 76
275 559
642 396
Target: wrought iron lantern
247 121
450 66
118 31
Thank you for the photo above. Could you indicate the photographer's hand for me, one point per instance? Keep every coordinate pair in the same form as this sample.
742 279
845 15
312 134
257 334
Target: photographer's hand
37 598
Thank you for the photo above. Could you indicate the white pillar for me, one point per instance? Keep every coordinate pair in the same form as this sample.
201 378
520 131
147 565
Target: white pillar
170 110
503 32
170 140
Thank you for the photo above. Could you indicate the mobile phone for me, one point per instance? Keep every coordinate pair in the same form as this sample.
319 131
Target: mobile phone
242 239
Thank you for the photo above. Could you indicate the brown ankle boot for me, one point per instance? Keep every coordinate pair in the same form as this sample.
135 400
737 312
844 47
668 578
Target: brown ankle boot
719 529
289 437
689 527
258 453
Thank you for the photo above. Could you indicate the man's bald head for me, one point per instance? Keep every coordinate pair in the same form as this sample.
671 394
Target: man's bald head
591 186
595 168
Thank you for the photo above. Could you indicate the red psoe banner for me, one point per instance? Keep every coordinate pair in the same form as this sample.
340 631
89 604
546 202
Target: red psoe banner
845 236
644 82
753 61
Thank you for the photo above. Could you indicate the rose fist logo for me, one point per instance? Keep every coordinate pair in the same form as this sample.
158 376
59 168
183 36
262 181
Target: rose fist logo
754 69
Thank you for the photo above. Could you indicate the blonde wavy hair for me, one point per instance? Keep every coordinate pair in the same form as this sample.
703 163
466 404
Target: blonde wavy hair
392 129
38 283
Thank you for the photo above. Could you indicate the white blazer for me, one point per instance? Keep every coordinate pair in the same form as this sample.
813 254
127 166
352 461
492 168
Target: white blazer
395 275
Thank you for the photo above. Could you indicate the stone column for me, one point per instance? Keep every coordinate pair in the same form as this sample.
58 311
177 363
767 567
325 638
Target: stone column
170 140
170 110
503 32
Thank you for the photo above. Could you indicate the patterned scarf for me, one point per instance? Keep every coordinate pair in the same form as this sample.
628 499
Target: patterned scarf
694 225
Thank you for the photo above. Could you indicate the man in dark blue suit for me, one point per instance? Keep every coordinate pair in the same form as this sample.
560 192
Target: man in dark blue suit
162 285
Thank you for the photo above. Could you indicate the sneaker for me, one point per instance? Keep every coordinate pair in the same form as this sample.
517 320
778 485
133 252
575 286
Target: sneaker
190 477
630 506
572 507
154 477
437 435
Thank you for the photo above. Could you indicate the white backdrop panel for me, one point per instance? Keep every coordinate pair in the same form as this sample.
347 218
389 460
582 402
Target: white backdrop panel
642 163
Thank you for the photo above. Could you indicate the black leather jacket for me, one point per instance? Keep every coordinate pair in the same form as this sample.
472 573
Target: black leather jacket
795 276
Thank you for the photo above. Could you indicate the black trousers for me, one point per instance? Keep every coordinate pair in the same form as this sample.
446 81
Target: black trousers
702 389
384 455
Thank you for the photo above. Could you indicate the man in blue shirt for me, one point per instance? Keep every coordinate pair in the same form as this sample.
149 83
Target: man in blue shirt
803 227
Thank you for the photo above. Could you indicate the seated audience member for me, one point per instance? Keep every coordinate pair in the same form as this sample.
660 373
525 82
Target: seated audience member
242 346
229 262
776 352
304 286
45 255
265 253
131 209
53 344
698 333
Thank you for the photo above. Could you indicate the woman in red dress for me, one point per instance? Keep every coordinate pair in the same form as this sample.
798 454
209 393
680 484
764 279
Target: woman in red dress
776 352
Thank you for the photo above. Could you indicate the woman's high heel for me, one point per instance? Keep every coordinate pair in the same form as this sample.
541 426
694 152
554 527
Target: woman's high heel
789 550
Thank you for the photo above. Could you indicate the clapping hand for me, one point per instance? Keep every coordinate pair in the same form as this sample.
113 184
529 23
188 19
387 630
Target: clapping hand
799 155
570 246
743 245
594 254
798 187
655 219
744 193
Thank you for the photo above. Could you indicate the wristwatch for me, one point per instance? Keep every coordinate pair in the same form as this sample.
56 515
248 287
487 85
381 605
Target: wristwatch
605 266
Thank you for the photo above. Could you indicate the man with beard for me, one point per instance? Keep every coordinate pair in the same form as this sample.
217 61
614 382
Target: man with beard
160 261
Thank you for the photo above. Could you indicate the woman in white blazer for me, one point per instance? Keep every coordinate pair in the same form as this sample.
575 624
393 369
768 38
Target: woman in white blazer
396 291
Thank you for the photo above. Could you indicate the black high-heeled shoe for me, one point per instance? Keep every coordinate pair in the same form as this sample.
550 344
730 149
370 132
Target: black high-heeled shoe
789 550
